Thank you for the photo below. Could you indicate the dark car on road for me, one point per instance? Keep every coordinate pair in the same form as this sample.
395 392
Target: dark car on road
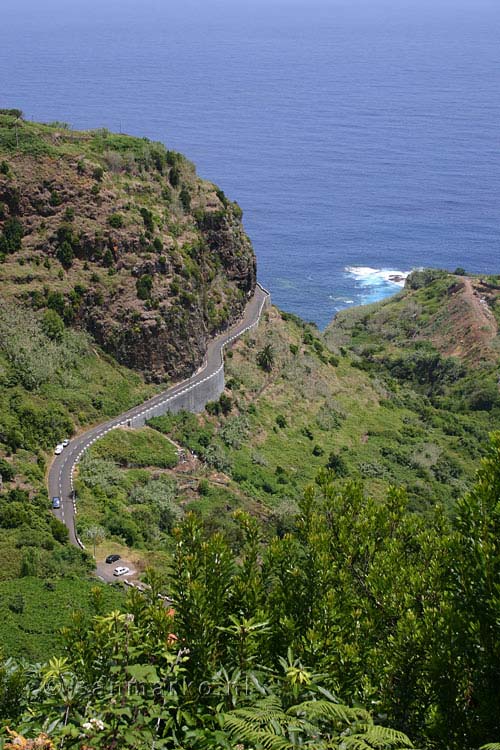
56 502
112 558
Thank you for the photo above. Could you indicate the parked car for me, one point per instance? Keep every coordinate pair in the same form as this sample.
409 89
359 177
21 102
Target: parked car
112 558
59 449
65 443
121 570
56 502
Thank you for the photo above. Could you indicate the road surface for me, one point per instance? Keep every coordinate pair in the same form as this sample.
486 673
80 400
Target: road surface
60 476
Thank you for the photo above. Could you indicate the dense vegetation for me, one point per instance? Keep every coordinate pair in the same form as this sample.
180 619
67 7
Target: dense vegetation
52 381
274 643
332 561
121 238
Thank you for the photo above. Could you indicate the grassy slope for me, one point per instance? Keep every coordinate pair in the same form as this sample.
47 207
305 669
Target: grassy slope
34 611
379 428
79 386
309 410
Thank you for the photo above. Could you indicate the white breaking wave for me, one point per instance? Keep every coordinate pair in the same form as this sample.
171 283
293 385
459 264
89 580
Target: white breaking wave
368 276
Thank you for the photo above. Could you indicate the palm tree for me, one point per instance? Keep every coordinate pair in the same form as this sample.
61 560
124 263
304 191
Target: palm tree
265 358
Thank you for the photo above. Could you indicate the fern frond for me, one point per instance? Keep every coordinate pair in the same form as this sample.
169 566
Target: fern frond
491 746
328 711
373 737
246 731
260 716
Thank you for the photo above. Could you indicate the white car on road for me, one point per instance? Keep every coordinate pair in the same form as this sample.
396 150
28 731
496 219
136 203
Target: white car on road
59 449
121 570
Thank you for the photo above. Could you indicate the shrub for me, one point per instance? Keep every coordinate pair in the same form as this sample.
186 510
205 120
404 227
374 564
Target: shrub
147 218
55 198
281 421
98 174
213 408
11 237
65 233
237 210
484 398
215 457
235 431
185 199
337 464
425 277
108 258
144 286
174 176
65 255
52 325
115 221
6 470
55 301
226 404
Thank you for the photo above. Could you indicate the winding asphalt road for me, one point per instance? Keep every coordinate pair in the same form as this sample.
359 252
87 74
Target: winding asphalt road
60 476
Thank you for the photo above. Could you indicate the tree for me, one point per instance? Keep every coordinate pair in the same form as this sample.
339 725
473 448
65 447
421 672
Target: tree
108 258
337 464
265 358
12 235
185 199
468 667
65 254
52 325
6 470
226 404
115 221
144 285
96 535
174 176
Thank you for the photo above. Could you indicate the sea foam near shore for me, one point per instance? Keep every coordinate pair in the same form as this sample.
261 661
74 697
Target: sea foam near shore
374 284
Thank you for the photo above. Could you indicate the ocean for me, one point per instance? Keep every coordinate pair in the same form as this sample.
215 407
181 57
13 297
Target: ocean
361 137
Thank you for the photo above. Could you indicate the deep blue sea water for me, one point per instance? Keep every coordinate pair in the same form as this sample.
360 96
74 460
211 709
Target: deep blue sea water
357 134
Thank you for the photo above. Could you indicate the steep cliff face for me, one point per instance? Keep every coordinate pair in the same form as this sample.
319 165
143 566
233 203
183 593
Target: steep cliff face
119 236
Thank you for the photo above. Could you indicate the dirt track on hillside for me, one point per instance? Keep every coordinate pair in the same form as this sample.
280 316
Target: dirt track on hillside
470 326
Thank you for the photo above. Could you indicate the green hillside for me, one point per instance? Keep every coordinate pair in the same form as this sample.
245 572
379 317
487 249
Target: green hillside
327 531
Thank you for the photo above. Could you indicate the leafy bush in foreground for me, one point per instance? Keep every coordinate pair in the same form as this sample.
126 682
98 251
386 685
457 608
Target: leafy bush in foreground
358 602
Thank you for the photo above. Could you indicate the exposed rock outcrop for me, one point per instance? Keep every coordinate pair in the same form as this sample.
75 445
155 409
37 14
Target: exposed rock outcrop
122 238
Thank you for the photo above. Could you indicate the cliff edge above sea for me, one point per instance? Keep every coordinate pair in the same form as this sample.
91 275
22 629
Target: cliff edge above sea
118 236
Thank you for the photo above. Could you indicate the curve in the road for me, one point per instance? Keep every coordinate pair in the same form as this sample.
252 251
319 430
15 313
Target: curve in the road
60 476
